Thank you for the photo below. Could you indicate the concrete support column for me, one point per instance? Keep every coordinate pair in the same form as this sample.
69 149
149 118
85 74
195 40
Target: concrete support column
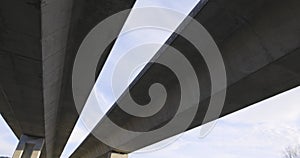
29 147
117 155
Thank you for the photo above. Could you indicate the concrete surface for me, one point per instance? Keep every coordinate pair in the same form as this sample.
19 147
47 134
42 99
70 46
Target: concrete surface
37 49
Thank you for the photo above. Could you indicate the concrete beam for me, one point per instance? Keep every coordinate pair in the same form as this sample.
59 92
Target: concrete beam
29 147
259 41
85 15
56 17
36 59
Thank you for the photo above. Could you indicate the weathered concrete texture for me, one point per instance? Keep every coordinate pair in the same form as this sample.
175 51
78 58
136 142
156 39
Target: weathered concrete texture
260 43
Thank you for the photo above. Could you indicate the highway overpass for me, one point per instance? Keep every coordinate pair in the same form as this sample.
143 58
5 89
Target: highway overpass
259 41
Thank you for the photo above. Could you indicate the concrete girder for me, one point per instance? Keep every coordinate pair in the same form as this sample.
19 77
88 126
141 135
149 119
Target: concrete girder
259 41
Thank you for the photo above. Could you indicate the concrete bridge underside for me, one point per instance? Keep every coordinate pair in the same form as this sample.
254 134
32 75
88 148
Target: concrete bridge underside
259 41
38 43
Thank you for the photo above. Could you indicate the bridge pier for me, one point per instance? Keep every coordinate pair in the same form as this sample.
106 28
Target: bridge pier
29 147
117 155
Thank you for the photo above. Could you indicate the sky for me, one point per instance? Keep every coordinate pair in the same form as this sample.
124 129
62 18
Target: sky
262 130
106 90
8 140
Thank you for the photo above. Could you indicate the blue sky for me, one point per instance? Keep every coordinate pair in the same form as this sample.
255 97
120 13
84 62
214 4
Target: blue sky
262 130
8 140
105 93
